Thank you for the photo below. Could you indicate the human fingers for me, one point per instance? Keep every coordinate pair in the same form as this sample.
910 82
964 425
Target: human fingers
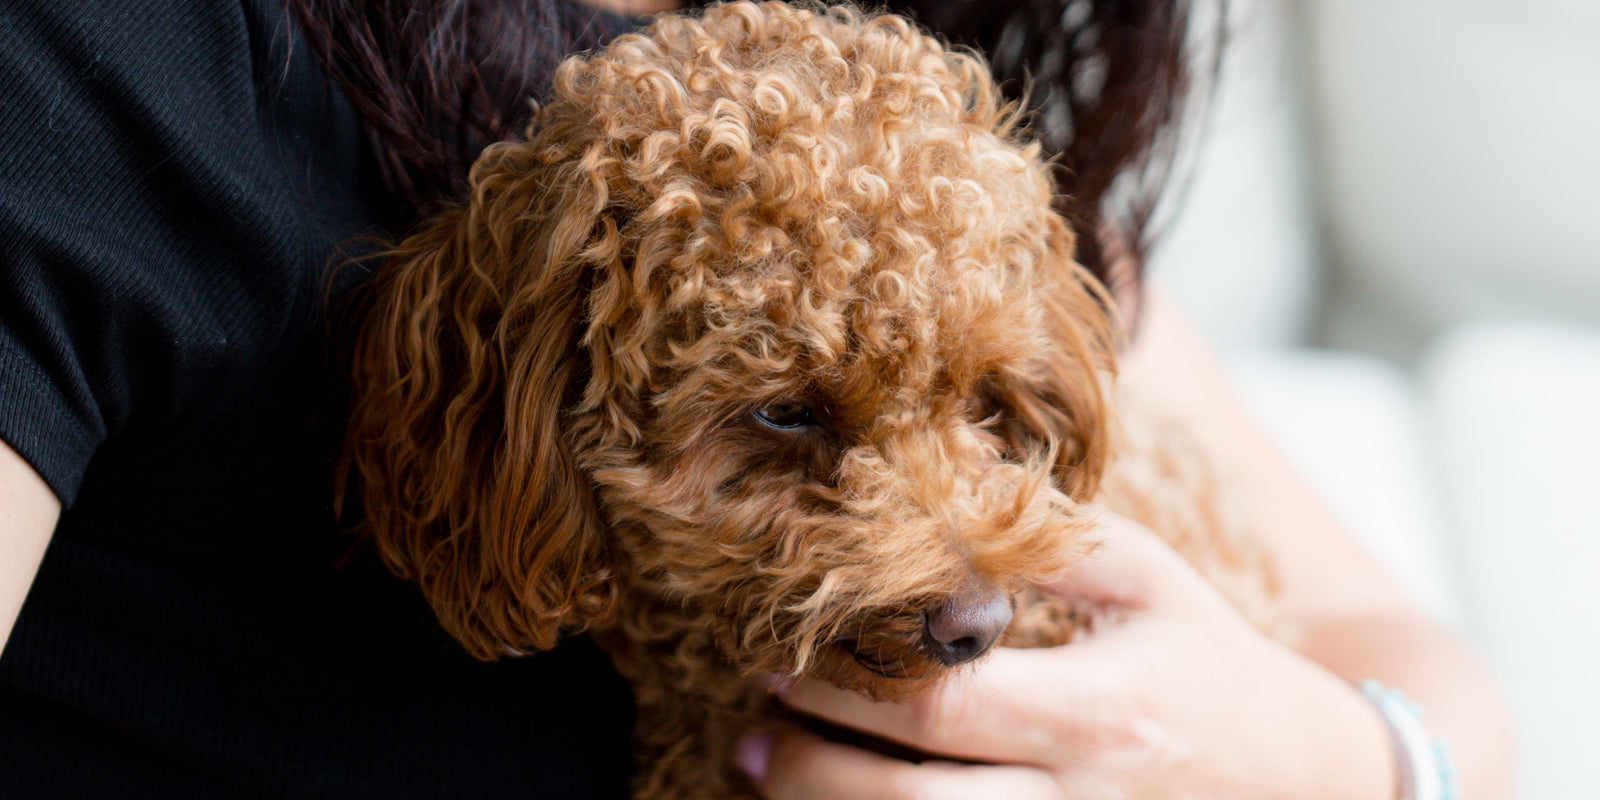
1040 706
1131 568
1016 706
1049 706
793 764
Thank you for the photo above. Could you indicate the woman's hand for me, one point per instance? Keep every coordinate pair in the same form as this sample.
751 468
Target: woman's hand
1172 694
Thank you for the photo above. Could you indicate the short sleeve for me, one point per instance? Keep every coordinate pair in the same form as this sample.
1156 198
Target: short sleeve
151 224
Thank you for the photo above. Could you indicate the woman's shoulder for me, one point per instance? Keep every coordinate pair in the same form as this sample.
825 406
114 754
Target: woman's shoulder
178 178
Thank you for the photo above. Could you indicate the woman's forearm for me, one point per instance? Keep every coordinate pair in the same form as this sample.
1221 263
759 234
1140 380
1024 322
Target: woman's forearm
1462 703
1354 618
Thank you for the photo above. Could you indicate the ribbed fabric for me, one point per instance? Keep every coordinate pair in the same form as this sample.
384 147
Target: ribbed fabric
175 182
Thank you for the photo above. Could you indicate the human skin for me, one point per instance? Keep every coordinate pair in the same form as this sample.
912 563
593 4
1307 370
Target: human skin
28 508
1052 712
1177 696
1357 624
28 513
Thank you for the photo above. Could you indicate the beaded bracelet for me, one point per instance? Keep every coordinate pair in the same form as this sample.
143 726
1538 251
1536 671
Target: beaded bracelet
1425 768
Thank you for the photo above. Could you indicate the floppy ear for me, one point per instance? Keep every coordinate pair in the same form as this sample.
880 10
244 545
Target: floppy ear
1065 400
465 365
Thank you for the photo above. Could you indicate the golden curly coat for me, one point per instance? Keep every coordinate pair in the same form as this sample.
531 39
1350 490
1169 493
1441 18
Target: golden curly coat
762 348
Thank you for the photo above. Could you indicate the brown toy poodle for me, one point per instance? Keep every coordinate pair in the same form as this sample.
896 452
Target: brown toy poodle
763 354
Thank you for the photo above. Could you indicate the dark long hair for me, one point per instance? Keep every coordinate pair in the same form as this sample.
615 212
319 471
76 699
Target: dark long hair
1107 83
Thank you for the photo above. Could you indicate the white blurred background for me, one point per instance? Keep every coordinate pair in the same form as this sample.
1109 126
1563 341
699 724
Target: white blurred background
1394 237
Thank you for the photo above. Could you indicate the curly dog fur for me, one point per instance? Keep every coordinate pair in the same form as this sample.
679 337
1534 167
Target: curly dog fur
762 348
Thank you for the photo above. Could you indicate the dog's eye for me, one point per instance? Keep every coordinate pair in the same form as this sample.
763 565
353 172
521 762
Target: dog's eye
785 416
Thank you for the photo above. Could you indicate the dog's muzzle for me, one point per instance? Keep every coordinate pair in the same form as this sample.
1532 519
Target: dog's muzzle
963 628
955 631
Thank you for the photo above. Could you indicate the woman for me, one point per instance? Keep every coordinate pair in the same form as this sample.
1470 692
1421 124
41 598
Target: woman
177 182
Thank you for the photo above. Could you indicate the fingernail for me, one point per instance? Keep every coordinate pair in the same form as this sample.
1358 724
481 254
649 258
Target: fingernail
752 754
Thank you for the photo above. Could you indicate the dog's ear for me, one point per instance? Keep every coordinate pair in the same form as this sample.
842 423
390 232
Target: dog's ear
1064 401
465 366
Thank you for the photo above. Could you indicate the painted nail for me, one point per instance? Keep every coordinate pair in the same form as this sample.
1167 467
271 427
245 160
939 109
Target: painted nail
752 754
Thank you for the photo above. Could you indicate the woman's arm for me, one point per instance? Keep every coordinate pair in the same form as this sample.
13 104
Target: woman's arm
1356 621
28 512
1180 697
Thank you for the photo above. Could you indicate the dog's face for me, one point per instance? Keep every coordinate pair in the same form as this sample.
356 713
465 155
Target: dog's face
824 464
768 327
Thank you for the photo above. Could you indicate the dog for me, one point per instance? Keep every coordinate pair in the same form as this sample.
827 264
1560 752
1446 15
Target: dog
763 354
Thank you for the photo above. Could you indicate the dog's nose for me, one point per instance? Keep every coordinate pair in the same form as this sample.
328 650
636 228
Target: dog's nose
963 628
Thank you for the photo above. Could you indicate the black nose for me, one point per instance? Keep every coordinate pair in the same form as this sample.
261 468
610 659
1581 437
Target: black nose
963 628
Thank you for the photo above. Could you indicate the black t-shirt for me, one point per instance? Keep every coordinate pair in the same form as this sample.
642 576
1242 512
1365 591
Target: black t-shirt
176 179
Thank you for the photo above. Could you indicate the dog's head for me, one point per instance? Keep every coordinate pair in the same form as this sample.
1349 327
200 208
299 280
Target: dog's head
768 322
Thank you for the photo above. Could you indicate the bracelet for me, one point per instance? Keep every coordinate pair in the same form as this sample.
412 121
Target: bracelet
1425 770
